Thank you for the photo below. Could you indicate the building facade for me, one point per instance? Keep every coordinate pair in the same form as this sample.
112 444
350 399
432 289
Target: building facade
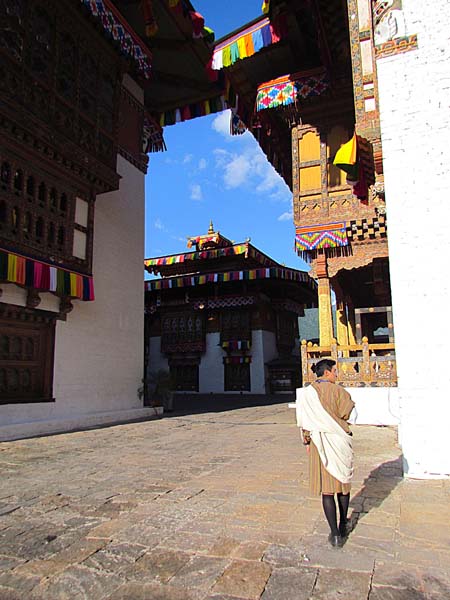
77 88
224 319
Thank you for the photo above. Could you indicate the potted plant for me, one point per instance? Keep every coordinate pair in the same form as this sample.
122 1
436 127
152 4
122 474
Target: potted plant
161 388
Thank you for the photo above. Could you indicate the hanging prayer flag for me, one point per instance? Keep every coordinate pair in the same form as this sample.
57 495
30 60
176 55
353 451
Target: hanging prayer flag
224 277
244 44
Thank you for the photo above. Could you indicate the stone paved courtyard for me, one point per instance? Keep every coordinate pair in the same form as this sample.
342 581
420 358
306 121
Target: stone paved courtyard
212 505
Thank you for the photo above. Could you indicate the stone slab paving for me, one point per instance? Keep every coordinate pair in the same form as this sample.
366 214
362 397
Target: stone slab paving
212 506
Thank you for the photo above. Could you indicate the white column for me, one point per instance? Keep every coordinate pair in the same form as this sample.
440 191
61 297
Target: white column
415 123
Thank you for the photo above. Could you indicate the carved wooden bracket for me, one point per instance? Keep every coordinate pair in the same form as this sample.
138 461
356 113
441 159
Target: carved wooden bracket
65 305
33 298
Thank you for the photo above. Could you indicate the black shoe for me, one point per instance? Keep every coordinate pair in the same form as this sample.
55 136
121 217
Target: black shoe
343 529
336 540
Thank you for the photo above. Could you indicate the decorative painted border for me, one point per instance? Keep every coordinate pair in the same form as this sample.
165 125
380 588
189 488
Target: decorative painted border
396 46
116 28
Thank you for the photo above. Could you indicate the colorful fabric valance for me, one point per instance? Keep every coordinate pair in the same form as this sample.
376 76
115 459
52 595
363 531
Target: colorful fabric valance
237 125
152 264
237 360
15 268
120 32
314 237
236 345
192 111
253 274
287 89
152 136
244 44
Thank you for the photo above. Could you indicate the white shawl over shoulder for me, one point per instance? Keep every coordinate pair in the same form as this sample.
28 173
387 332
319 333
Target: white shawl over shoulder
332 442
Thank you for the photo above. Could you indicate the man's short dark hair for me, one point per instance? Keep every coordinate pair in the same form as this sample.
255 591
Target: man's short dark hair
326 364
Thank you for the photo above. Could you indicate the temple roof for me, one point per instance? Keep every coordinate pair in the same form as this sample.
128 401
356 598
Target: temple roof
218 260
213 253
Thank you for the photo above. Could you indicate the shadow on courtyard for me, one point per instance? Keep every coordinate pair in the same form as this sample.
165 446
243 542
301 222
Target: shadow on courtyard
186 404
376 488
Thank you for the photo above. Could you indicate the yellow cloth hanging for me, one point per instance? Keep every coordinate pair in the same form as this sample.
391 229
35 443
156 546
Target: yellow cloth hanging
226 56
242 47
346 156
265 6
12 267
73 285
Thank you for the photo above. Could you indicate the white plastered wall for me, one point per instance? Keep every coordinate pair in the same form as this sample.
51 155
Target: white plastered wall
211 371
264 349
415 122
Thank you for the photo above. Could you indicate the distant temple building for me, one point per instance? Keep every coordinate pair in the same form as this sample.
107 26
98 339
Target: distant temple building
224 318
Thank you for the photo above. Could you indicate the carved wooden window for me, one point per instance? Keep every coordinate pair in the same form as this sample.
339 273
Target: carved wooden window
26 355
287 331
42 216
185 377
235 325
316 152
183 332
319 183
57 67
237 377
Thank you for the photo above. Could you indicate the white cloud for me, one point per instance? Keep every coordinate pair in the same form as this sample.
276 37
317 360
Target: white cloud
286 216
178 238
158 224
221 123
236 171
202 164
196 192
251 169
187 159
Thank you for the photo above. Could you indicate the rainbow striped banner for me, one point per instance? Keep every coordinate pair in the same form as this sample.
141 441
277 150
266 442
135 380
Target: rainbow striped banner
237 360
236 345
30 273
244 44
189 256
253 274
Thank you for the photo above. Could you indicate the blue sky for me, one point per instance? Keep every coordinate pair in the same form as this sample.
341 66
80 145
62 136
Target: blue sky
208 174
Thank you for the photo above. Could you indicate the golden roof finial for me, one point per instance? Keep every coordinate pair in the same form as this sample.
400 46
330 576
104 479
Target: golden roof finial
211 227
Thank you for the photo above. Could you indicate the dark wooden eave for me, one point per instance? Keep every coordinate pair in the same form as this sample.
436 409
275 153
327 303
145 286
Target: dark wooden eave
179 61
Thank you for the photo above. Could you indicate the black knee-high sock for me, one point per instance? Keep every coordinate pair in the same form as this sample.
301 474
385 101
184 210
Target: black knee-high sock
343 501
329 508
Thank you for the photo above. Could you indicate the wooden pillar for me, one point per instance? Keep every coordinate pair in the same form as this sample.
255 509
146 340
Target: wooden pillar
324 291
351 323
341 325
